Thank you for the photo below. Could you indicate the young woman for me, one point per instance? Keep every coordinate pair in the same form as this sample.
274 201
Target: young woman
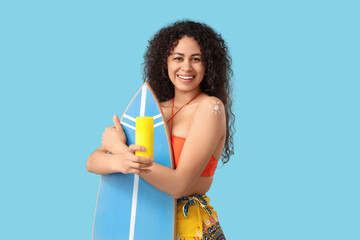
188 67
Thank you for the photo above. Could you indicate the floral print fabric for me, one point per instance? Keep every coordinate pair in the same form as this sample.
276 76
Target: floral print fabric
197 220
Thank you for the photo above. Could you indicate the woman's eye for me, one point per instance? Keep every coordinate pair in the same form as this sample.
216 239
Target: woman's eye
196 59
178 58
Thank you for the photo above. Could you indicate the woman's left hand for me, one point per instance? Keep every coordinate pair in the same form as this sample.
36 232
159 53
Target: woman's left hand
114 139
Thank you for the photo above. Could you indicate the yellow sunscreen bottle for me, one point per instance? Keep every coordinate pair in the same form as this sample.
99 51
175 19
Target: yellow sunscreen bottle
144 135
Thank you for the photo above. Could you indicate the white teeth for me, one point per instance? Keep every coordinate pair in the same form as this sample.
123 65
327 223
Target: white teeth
186 78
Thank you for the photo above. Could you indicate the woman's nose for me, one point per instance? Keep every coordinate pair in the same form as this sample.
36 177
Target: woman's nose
186 66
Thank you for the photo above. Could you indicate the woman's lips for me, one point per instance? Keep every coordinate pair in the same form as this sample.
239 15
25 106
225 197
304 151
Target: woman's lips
186 78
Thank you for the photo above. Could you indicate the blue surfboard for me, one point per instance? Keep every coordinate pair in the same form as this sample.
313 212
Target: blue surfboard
128 207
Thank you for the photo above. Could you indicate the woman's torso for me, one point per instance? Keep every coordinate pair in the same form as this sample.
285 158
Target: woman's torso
181 125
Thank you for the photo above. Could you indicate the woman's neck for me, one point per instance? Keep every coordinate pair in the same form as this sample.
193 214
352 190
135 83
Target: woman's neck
181 98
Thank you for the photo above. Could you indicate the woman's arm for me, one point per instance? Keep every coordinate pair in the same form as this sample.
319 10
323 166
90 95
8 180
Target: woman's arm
122 158
101 162
207 129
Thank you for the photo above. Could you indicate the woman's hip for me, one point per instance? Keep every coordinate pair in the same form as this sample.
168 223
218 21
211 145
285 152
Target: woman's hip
197 219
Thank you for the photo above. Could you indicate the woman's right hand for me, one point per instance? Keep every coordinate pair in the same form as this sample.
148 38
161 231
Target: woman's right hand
113 138
127 162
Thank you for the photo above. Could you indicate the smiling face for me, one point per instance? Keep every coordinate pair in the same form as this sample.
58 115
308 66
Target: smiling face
186 67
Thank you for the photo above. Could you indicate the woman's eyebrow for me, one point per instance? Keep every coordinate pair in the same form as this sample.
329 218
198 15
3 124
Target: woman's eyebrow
181 54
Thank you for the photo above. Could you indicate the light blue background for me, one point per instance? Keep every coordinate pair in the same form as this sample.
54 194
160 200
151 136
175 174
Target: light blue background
67 66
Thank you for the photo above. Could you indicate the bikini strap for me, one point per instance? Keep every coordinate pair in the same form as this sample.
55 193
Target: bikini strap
172 115
172 110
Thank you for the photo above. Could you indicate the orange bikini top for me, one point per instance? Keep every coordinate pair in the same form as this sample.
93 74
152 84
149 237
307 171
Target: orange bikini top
178 144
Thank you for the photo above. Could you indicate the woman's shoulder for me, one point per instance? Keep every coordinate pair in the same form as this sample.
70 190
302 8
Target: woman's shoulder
210 112
210 103
210 116
166 103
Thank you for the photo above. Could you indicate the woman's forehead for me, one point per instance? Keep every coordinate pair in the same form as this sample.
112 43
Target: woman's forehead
187 46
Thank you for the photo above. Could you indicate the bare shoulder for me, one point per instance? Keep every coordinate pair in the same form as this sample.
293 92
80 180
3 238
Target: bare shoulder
166 104
209 120
210 113
211 106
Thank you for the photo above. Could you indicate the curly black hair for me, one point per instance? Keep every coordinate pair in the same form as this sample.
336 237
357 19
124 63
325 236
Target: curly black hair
218 73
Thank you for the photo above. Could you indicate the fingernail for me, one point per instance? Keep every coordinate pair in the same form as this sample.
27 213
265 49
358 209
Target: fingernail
143 148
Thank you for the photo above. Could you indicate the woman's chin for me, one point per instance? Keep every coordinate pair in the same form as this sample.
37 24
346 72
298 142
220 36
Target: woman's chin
186 87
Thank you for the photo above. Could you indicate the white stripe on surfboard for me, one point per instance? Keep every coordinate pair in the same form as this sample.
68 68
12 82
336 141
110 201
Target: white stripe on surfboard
128 125
143 101
136 177
158 124
157 116
129 117
133 206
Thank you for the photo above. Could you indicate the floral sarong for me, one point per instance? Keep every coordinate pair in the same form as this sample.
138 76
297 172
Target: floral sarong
197 220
